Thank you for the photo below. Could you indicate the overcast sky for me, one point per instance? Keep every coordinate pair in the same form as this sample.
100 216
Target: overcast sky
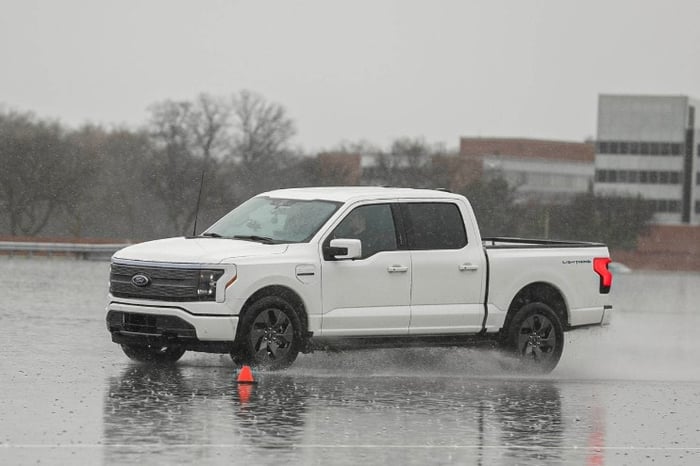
352 70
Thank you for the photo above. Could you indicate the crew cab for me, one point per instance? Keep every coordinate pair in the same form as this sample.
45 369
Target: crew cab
296 270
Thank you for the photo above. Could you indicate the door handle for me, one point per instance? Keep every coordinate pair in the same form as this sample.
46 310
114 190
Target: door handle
397 269
468 268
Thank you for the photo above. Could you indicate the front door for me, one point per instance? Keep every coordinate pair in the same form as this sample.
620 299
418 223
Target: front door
369 295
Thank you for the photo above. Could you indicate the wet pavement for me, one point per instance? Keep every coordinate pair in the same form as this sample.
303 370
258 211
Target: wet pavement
629 394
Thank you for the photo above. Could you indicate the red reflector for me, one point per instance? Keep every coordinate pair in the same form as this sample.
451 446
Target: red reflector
600 265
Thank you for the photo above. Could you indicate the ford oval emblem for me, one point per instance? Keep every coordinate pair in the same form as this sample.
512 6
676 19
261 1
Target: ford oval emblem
140 280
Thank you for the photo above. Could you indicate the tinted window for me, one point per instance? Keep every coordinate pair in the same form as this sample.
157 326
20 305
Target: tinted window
433 225
371 224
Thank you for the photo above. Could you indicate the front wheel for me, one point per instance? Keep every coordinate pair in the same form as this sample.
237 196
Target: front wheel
536 337
153 354
269 336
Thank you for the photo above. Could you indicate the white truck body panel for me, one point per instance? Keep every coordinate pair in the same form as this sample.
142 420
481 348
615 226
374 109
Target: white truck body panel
569 270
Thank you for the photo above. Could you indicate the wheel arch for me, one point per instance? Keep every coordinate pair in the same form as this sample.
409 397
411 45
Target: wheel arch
543 292
285 293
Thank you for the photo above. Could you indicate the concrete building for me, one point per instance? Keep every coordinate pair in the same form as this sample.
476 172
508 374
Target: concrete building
539 170
647 145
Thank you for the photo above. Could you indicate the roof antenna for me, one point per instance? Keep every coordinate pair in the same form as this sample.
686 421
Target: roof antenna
199 198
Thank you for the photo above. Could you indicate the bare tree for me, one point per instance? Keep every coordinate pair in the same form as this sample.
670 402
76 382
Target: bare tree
38 175
82 160
189 139
262 134
407 164
116 202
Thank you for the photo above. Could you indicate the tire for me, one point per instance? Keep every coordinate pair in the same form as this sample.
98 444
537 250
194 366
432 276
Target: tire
269 335
153 354
535 336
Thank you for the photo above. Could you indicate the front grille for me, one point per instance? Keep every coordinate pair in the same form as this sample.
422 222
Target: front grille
163 283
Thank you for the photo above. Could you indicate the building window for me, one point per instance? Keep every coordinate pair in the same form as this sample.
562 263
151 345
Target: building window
641 148
697 207
666 206
634 176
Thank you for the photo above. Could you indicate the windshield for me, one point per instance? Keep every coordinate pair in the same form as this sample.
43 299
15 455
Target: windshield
273 220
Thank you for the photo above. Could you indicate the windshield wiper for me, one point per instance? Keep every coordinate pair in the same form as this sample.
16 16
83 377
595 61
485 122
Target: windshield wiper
259 239
212 235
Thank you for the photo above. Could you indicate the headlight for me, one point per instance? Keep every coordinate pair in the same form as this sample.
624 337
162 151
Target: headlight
206 289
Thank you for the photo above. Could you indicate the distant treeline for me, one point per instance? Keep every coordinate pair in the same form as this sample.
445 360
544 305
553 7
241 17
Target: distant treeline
138 184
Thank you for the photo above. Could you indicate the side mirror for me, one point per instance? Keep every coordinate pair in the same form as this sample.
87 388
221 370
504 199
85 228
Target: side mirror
343 249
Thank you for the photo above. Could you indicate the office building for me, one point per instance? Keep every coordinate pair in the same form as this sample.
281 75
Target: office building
538 170
647 145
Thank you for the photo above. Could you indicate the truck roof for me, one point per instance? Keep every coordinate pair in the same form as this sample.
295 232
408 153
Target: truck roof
358 193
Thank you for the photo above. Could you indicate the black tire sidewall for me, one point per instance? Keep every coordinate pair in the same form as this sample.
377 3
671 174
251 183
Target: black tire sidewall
511 341
245 353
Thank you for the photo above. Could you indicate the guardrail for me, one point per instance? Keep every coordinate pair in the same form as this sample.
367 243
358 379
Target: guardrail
79 250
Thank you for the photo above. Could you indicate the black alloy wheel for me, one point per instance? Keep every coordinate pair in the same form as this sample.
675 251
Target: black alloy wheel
535 335
269 335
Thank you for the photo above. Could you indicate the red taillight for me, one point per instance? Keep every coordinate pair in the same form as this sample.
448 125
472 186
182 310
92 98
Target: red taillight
600 265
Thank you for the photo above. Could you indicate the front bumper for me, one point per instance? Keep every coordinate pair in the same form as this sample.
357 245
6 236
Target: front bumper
169 326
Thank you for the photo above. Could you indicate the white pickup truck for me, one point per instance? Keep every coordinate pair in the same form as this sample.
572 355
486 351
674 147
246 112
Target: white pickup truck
295 270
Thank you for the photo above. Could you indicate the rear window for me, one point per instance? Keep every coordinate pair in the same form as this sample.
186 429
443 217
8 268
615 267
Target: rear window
434 225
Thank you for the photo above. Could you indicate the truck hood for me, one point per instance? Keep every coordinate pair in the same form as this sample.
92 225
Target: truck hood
197 250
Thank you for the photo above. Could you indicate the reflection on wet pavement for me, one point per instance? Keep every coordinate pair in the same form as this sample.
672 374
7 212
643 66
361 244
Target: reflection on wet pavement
302 417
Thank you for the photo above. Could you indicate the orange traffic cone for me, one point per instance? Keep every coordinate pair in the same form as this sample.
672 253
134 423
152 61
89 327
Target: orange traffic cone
245 375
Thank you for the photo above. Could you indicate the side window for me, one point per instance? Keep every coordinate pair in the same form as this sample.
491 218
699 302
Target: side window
434 225
371 224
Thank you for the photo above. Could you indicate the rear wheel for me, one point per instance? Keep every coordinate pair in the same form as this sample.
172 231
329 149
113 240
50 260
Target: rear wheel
153 354
536 337
269 336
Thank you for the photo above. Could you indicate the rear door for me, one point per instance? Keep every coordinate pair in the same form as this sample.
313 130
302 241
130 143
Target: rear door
369 295
448 270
